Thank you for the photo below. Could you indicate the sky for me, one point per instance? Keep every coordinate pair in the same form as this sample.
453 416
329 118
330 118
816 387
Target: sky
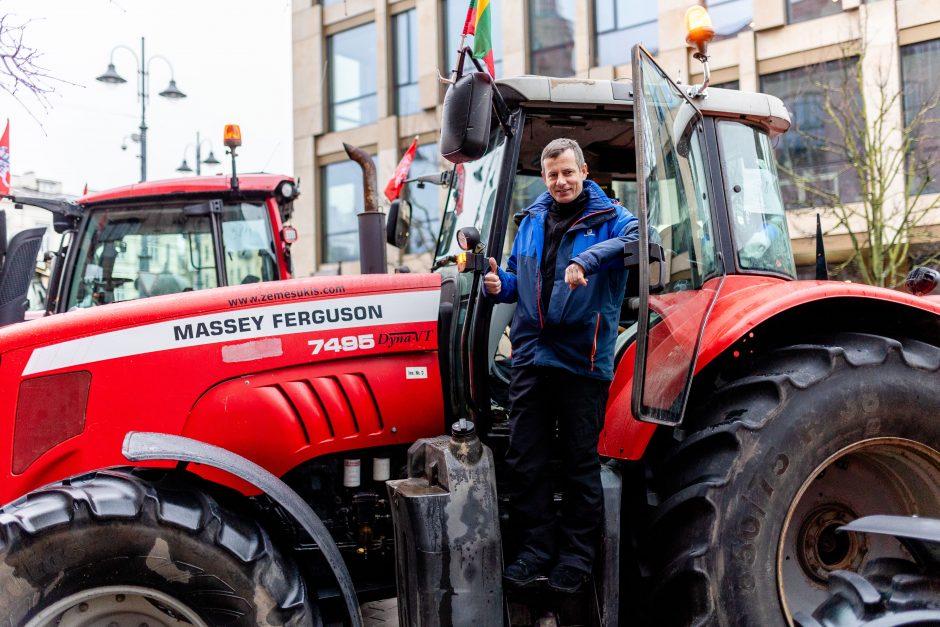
232 58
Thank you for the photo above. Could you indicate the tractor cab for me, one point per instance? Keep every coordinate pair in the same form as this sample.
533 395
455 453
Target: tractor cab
167 237
698 171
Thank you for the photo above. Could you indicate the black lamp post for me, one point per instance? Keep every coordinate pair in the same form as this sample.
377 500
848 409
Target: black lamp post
172 92
210 160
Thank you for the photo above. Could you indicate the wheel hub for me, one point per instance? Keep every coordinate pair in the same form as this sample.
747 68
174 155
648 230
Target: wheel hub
822 549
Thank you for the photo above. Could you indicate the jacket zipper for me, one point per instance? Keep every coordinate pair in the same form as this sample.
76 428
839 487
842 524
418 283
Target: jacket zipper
597 327
538 295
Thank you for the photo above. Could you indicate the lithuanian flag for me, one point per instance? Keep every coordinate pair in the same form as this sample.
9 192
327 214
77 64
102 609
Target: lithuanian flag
478 24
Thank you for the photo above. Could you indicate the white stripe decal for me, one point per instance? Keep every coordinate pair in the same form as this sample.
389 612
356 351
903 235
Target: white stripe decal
241 324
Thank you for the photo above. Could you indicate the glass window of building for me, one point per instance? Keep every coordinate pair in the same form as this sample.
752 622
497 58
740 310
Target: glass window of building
802 10
341 199
551 36
353 99
920 76
425 203
730 17
811 154
619 24
455 15
404 26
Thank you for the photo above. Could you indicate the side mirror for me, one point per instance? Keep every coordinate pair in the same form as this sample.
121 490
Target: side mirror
465 121
398 227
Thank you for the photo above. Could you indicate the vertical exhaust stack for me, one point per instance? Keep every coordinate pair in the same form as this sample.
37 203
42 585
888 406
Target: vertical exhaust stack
371 221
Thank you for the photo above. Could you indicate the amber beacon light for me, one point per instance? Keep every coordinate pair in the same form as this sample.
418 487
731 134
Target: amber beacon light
698 28
232 136
699 31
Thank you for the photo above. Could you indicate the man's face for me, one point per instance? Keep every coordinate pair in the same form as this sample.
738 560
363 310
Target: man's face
562 176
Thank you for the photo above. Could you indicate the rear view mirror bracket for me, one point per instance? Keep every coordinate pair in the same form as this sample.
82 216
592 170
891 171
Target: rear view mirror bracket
500 108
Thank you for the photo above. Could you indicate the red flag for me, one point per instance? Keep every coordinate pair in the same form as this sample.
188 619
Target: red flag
5 160
393 189
469 25
85 191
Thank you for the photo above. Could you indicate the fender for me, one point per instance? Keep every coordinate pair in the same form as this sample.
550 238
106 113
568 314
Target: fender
744 303
140 446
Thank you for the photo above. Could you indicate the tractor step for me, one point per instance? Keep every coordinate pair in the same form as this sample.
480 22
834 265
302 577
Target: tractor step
539 606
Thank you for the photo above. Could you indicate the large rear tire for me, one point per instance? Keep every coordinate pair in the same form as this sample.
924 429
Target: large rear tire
782 451
113 548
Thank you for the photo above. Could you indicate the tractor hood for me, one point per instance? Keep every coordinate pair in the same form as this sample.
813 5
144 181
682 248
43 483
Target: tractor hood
278 372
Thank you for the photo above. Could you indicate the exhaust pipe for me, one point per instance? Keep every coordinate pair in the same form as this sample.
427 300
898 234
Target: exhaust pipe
372 258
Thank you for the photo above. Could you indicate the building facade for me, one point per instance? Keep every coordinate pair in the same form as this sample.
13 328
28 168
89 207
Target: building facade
367 72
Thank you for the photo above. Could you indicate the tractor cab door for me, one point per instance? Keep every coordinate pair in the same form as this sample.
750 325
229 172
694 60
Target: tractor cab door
675 211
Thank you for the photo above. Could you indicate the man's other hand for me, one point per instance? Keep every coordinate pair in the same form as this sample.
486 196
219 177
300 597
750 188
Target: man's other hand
574 276
491 282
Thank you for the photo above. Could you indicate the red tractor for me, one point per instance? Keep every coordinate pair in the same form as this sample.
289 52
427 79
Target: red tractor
221 457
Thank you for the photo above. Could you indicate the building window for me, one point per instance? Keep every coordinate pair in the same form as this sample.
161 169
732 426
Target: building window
920 76
730 17
425 203
802 10
619 24
551 34
341 200
813 149
455 15
407 99
353 99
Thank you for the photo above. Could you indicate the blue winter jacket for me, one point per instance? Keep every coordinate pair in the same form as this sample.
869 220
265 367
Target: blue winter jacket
578 331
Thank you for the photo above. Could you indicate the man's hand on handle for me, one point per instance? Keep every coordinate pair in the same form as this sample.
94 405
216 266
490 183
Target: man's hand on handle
491 282
574 276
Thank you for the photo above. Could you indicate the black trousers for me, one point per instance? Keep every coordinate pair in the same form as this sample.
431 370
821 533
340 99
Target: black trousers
540 398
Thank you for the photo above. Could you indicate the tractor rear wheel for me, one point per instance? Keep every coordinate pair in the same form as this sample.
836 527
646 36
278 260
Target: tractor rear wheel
111 548
785 449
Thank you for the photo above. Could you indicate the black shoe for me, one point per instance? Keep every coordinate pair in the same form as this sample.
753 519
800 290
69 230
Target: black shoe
566 579
520 574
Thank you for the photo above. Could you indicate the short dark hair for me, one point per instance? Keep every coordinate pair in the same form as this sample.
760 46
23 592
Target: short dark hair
560 145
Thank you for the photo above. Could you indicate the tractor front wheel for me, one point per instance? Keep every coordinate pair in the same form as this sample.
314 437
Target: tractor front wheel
112 548
783 451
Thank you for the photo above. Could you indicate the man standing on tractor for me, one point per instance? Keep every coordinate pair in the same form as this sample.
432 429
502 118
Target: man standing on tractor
567 274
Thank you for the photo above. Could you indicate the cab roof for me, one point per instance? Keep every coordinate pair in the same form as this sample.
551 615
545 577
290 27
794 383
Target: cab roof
764 109
187 185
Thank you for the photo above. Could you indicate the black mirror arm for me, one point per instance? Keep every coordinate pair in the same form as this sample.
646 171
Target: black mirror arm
631 259
500 108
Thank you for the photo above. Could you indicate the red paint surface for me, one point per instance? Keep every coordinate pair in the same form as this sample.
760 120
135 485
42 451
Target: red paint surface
743 303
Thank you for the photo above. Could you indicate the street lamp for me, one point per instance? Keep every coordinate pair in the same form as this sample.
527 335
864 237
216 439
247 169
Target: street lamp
210 160
172 92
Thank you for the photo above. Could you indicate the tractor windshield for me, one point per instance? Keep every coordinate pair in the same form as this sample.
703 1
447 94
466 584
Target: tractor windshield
131 253
471 197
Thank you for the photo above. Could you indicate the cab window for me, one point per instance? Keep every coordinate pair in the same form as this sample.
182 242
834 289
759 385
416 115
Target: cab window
248 243
761 238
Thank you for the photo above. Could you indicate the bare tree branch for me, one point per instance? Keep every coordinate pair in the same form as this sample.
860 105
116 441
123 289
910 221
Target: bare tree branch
21 75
